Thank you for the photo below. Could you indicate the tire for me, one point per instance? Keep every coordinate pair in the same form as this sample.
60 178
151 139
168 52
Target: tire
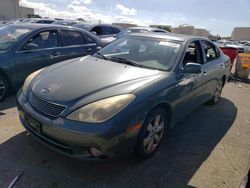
4 88
152 133
217 93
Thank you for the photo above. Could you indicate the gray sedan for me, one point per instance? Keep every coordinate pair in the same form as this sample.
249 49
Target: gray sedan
124 98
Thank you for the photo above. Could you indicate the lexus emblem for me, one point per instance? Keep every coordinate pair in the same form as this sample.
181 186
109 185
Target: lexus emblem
46 90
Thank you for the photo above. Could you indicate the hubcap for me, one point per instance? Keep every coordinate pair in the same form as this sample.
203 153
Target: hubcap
218 91
154 133
2 89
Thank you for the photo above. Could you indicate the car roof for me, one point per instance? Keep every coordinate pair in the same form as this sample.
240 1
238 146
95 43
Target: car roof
39 26
168 36
146 28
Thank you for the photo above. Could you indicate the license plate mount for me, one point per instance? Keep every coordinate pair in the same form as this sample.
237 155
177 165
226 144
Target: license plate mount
37 126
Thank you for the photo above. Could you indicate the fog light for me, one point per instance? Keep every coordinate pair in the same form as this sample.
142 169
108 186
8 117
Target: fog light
95 152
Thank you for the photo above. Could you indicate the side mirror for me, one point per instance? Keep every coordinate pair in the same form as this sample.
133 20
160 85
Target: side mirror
31 46
192 68
93 32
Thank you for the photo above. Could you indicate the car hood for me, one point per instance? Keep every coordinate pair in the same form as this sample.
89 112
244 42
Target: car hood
89 77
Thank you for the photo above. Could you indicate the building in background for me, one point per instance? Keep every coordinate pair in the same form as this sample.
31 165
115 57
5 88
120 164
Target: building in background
201 32
190 30
241 33
10 9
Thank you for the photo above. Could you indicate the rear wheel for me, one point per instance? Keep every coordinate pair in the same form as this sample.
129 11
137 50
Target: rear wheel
4 88
151 133
217 93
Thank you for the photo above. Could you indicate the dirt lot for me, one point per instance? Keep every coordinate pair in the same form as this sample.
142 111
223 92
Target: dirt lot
209 148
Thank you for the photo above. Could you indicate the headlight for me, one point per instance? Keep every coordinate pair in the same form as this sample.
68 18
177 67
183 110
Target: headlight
28 81
102 110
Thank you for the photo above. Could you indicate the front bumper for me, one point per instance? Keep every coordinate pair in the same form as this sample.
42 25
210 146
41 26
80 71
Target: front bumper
75 139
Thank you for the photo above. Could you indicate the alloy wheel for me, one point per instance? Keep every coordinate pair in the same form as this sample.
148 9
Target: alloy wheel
218 91
154 133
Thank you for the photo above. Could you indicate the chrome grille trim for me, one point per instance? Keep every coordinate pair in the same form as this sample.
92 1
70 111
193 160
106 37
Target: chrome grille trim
49 108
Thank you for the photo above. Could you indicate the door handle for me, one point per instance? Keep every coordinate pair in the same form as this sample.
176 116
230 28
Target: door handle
222 66
55 54
89 50
204 73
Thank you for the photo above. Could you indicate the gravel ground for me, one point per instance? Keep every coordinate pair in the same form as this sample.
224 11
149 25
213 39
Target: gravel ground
209 148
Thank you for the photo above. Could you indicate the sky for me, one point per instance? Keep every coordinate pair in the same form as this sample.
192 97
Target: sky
217 16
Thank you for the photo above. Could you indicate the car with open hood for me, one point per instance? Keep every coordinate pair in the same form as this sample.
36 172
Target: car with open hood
125 97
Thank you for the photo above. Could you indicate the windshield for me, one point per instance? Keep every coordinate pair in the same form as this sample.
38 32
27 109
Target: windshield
144 52
10 35
129 31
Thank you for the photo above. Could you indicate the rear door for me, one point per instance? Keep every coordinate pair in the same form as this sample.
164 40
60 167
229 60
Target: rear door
76 44
39 51
212 68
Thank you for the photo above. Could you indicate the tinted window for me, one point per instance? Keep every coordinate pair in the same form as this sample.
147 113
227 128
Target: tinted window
72 38
45 21
159 31
97 29
90 39
45 39
115 30
107 30
210 50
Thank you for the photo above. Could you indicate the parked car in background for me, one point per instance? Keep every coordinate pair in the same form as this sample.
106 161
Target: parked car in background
41 21
119 101
25 48
131 30
226 44
65 22
83 25
246 47
103 31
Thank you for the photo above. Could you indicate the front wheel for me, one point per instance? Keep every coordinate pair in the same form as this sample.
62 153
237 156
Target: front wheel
151 133
217 93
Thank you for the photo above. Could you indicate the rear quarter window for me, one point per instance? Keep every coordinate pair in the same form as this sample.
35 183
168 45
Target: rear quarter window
73 38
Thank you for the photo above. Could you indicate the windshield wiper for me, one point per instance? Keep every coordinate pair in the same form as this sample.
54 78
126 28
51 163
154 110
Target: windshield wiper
103 56
125 61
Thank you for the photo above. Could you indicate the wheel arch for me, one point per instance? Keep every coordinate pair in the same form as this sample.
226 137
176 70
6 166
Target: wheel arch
166 106
3 73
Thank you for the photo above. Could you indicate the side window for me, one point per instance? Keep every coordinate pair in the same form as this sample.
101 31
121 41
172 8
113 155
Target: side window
107 30
90 39
115 30
193 54
72 38
210 50
159 31
98 30
43 40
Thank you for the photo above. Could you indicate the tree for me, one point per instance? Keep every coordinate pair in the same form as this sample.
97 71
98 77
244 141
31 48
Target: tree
81 20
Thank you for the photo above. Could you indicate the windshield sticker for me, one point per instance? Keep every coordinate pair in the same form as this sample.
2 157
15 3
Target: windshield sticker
170 44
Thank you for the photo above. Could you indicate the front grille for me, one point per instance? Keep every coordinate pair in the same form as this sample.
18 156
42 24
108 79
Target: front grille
46 107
